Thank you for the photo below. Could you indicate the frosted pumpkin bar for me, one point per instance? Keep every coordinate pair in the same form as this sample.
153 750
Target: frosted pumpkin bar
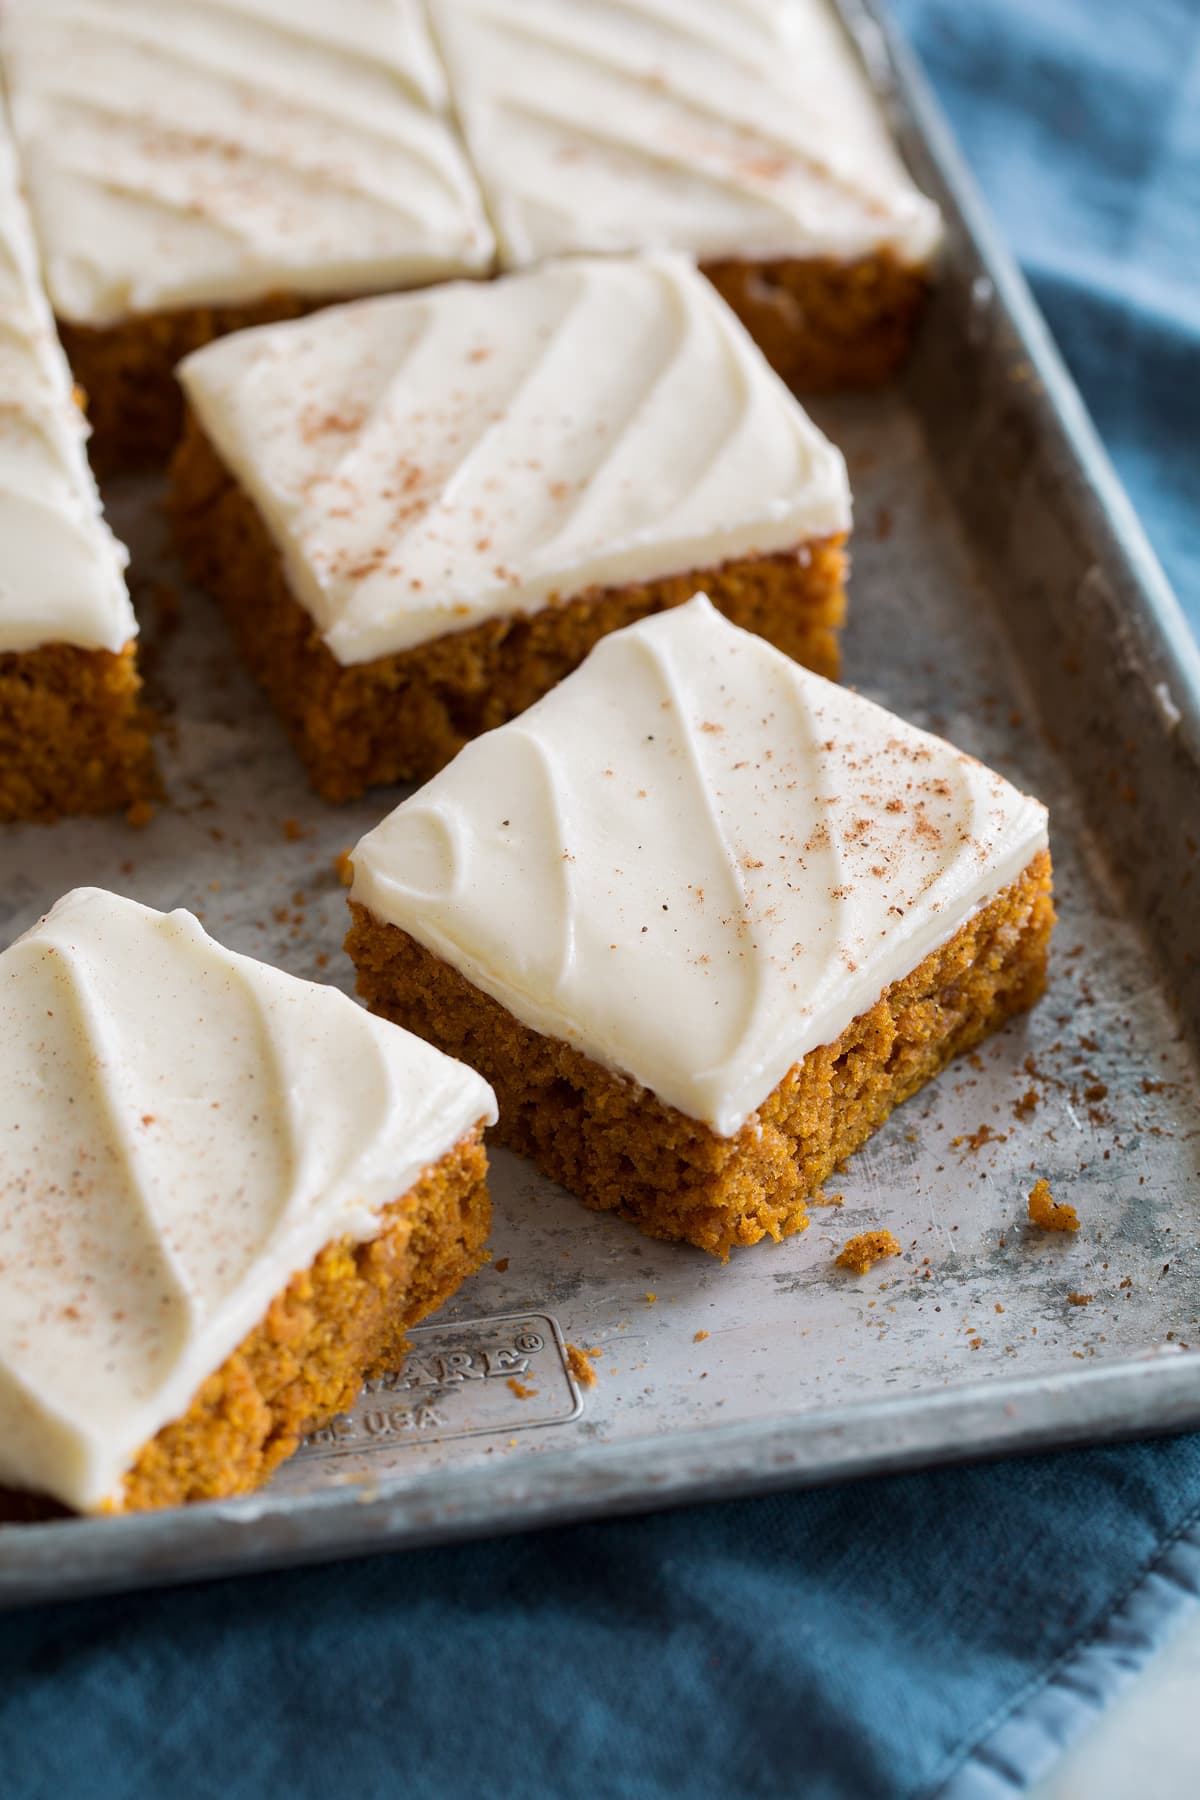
704 919
745 134
201 166
71 739
224 1194
419 512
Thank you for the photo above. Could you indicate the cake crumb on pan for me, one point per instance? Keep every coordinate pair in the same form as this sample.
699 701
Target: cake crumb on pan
863 1251
1049 1214
578 1361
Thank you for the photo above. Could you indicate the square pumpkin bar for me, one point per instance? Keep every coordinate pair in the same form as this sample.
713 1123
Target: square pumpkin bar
704 919
418 513
71 734
224 1195
747 135
199 167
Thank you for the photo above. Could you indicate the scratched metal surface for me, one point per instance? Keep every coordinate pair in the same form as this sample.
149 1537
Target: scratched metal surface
985 1335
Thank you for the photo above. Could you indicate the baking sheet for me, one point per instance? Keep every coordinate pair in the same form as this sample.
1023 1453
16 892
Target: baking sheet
1000 597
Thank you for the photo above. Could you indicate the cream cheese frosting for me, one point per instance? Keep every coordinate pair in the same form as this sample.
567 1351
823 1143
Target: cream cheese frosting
427 461
730 128
187 152
62 573
181 1130
696 861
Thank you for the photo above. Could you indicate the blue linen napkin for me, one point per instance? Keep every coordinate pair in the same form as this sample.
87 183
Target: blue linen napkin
843 1645
935 1634
1081 121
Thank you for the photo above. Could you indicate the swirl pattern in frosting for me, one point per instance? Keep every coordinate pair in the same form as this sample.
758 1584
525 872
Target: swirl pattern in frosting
181 1130
730 128
62 574
425 461
696 861
184 152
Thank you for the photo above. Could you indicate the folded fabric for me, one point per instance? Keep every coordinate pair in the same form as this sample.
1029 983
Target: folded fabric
1081 121
842 1645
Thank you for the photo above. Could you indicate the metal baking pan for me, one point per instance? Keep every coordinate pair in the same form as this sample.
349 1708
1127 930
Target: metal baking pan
1003 595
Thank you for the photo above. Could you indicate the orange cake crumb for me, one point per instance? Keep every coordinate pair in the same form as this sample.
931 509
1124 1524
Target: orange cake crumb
580 1365
976 1140
520 1390
1049 1214
1080 1299
699 1337
866 1249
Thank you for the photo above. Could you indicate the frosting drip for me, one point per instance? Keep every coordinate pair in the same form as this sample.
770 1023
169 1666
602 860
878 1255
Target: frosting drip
730 128
184 152
695 860
430 460
62 572
181 1130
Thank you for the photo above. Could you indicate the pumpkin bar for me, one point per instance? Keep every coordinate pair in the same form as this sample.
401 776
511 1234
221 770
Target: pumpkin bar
748 136
704 919
224 1195
200 167
71 738
420 512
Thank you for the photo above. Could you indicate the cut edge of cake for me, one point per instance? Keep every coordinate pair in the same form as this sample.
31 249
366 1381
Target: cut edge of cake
73 737
758 146
621 1149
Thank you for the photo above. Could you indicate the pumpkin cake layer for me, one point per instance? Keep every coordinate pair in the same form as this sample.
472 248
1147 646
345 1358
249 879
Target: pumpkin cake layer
71 738
245 161
623 1150
402 717
419 513
334 1326
126 374
705 919
747 136
224 1195
827 325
